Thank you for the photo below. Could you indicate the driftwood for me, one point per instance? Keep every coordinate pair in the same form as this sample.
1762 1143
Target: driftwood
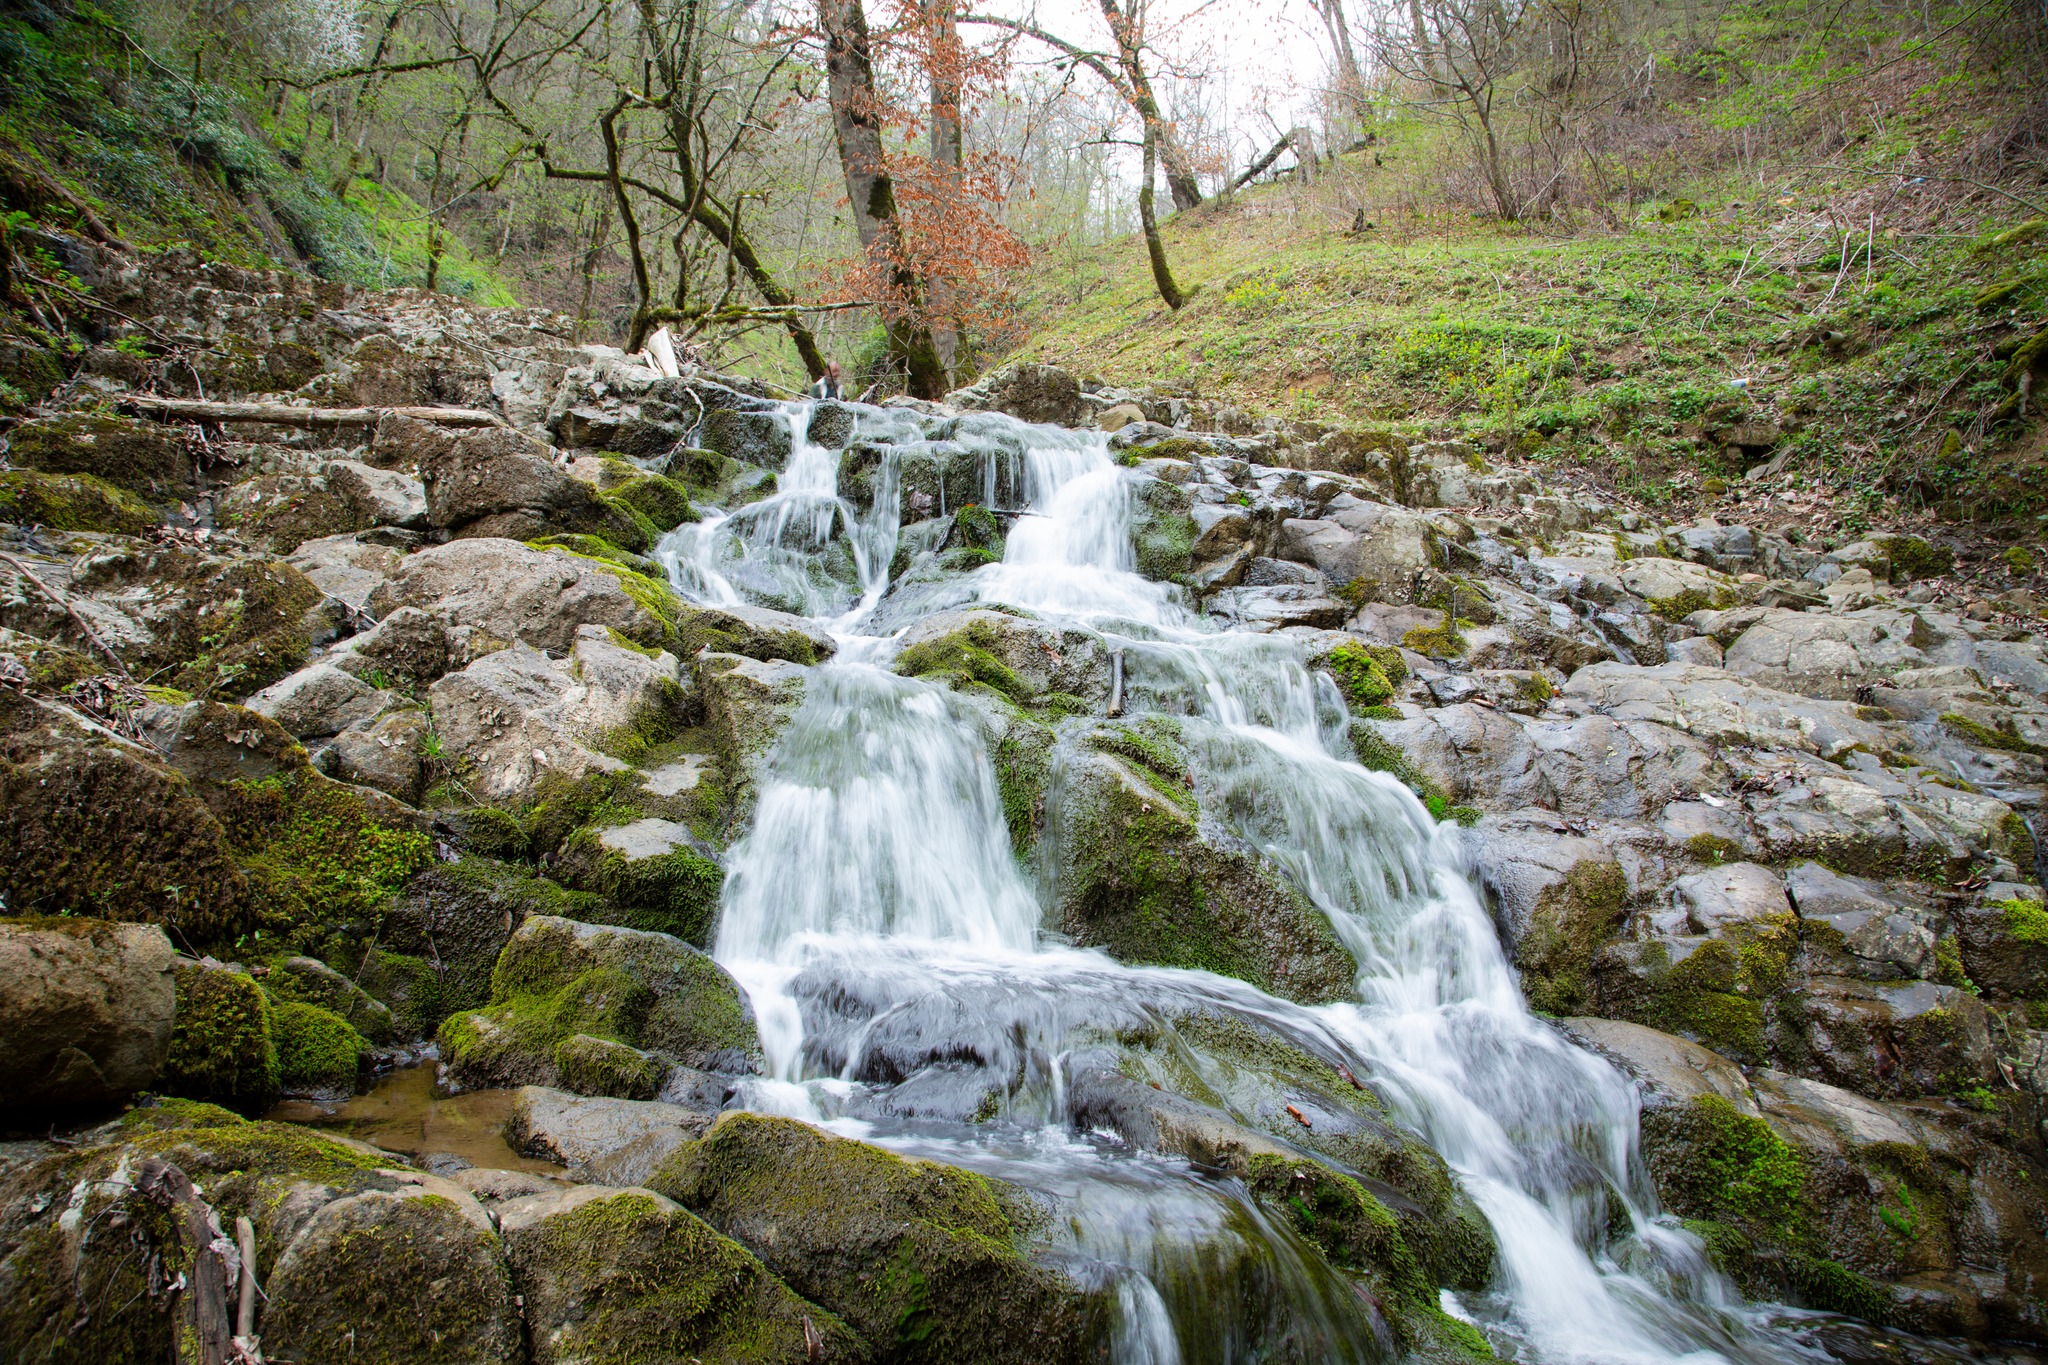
285 415
213 1262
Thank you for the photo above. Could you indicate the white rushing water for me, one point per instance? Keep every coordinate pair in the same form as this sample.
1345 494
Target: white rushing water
894 953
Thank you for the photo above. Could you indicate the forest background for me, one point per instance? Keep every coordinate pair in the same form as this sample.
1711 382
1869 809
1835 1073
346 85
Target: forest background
1612 231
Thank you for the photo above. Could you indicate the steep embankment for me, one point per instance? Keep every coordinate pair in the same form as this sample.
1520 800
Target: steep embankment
1866 336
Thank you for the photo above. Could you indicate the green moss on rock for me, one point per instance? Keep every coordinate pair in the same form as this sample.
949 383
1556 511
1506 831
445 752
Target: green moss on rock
1363 675
222 1047
1572 919
318 1051
921 1259
72 502
128 452
321 860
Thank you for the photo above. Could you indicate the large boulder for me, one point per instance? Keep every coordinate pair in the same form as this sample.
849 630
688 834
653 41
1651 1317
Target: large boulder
1816 1195
602 1011
357 1260
126 452
490 592
1028 392
320 700
518 715
617 1275
924 1261
600 1138
1024 660
378 497
1136 877
1724 707
1376 551
347 568
86 1008
1822 655
493 483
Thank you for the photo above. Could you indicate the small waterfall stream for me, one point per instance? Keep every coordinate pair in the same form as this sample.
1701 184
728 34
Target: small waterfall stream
894 951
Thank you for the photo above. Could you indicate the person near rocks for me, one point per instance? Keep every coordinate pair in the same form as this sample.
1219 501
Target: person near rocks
827 387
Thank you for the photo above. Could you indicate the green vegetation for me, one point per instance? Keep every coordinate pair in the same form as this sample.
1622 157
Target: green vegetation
317 1050
1366 674
222 1046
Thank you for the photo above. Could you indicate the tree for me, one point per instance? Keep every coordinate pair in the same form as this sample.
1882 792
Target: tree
857 123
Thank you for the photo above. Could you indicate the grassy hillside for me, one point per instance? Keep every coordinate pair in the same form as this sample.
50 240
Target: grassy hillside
1862 326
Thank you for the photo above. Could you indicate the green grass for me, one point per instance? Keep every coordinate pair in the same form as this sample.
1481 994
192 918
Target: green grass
1628 349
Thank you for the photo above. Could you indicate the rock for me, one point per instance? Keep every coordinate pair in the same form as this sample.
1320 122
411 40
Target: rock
1738 893
409 648
2004 946
922 1260
752 632
1887 943
1136 877
558 980
347 568
307 980
320 700
86 1007
281 511
603 1140
1118 416
1022 659
461 914
1813 1194
378 497
1383 550
1278 606
415 1273
386 754
747 703
72 502
1675 589
1721 707
518 715
627 1274
653 874
755 438
1028 392
1557 898
319 1054
1830 656
491 592
1162 531
222 1047
496 478
127 452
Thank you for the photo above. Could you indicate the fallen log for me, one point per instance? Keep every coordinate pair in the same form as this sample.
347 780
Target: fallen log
285 415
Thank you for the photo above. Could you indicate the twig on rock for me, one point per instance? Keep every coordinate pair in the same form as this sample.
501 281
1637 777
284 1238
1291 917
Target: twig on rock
69 610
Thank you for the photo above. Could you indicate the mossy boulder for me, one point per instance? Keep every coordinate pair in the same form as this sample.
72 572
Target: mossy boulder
750 632
282 511
1136 877
223 1048
1162 531
86 1299
127 452
1573 918
97 827
1030 663
1366 674
924 1261
413 1274
308 981
462 913
558 980
651 874
72 502
616 1276
662 501
318 1052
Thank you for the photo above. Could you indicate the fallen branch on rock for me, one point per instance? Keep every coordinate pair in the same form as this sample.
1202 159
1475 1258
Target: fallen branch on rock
285 415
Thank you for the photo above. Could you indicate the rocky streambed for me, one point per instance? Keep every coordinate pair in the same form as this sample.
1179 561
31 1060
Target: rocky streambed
1035 877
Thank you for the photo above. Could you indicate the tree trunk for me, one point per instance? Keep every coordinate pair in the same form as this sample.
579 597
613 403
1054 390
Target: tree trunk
945 58
1180 172
1162 274
1350 79
857 125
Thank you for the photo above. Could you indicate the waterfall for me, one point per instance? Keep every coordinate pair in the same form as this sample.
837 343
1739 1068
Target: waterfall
894 952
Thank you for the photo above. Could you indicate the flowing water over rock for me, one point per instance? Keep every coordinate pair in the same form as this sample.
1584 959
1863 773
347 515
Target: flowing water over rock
911 994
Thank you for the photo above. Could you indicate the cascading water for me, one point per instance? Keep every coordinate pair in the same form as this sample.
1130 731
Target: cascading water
894 953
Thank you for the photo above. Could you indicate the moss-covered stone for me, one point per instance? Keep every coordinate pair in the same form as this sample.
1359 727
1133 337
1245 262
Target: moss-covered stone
1911 557
600 1066
597 547
664 502
222 1045
623 1277
72 502
964 656
282 511
1163 533
1746 1193
1715 995
676 892
645 991
308 981
93 827
318 1051
1366 674
920 1259
1975 732
1136 878
128 452
1571 920
321 861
